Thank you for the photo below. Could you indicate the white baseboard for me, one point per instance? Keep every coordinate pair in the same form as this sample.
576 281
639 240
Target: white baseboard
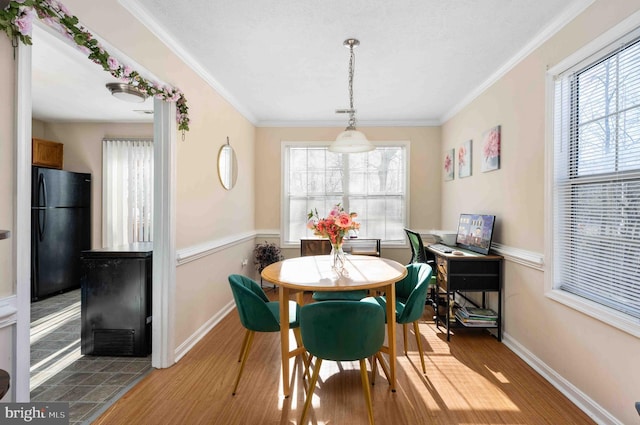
580 399
190 342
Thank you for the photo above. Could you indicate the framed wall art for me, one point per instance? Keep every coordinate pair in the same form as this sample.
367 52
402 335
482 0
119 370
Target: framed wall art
449 164
464 159
491 150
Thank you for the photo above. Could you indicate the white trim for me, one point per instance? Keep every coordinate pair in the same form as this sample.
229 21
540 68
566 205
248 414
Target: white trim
8 310
164 233
597 311
202 331
361 124
577 397
601 42
549 31
142 15
619 320
534 260
195 252
22 224
268 233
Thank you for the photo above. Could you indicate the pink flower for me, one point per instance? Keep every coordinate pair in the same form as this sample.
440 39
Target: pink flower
113 63
344 220
462 152
335 226
448 162
127 70
24 20
491 146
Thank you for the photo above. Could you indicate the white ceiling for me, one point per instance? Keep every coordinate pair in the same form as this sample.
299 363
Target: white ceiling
282 62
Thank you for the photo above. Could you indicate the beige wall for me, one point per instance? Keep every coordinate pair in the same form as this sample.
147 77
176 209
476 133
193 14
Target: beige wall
591 355
83 154
424 169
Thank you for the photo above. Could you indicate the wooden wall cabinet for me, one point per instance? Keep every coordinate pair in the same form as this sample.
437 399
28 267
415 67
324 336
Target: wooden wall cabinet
46 153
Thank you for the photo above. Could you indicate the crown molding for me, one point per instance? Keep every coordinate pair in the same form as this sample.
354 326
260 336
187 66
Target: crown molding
342 123
143 15
549 31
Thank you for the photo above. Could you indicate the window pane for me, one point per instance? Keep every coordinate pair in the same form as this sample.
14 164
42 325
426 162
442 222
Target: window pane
375 189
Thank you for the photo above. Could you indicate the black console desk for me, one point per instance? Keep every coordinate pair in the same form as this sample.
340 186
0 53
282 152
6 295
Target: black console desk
460 274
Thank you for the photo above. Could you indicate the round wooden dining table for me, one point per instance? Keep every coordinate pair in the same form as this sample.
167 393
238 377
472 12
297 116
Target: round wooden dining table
314 273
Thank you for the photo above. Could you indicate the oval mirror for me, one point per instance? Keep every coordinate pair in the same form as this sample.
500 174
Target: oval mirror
227 167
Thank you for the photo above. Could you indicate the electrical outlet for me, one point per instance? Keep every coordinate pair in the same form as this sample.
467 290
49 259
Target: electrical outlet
245 262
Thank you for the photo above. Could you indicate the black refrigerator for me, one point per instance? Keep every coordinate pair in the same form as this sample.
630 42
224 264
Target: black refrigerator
60 229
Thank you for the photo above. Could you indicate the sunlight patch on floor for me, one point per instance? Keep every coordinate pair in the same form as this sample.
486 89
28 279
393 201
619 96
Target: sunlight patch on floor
54 364
44 326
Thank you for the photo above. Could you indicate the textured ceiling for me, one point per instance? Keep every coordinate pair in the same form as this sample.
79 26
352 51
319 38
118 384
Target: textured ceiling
283 63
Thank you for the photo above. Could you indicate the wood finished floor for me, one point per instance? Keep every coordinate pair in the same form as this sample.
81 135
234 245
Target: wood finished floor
473 379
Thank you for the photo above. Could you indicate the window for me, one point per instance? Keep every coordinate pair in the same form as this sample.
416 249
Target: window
127 191
373 184
596 179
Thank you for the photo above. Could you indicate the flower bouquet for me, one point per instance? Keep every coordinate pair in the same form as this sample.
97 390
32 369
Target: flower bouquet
333 227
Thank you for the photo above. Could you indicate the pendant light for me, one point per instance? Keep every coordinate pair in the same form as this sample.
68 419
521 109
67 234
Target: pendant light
351 140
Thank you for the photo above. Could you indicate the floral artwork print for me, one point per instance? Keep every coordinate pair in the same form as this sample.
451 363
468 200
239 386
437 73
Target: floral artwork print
464 159
491 150
448 165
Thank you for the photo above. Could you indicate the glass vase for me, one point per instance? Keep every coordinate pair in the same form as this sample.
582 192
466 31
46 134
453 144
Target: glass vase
337 257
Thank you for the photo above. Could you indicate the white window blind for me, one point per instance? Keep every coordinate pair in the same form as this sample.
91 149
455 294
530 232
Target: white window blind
372 184
127 191
597 180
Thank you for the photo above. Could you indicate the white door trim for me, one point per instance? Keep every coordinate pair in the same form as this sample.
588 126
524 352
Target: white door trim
164 263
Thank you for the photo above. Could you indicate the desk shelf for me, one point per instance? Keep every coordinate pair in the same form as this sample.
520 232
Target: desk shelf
458 275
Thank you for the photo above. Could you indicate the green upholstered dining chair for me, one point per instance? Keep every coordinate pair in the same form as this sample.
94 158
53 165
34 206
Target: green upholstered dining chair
356 295
341 331
258 314
411 293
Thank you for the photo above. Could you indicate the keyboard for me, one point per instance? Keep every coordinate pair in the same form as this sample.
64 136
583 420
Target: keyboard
441 248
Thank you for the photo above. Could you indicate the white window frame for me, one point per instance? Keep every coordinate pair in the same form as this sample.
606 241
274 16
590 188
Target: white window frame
284 205
606 43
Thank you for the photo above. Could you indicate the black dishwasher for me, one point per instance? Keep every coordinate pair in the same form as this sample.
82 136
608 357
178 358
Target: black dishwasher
116 300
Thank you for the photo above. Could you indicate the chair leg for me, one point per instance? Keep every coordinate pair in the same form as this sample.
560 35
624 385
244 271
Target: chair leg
416 331
404 337
383 366
244 359
244 344
374 369
367 390
306 358
312 386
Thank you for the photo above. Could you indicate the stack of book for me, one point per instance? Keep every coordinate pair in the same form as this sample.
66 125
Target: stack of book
478 317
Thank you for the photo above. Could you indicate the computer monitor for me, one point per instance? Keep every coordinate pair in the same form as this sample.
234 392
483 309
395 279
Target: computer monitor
475 232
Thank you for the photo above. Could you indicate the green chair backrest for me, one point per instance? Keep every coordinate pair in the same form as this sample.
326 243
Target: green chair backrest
342 330
251 302
412 291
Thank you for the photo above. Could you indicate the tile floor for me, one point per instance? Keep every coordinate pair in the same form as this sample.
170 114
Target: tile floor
59 372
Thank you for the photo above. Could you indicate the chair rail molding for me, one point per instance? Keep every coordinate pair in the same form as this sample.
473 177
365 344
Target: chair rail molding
195 252
8 311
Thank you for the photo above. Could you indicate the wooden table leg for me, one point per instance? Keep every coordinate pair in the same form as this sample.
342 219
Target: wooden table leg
284 338
391 332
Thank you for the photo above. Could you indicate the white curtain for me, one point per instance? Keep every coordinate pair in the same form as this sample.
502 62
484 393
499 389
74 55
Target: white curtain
127 191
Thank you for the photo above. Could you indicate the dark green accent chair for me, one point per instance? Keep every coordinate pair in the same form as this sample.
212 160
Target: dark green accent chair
258 314
411 293
356 295
342 331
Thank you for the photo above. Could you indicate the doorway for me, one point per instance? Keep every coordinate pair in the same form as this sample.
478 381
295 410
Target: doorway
163 271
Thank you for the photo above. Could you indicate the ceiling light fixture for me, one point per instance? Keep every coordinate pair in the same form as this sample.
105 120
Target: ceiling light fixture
126 92
351 140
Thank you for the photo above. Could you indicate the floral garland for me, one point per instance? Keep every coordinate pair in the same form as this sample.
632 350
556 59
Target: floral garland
16 20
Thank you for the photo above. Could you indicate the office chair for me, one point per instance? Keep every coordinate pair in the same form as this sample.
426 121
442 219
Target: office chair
418 253
258 314
411 293
341 331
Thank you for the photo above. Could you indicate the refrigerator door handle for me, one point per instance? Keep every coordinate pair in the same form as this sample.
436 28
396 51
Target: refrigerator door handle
42 189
